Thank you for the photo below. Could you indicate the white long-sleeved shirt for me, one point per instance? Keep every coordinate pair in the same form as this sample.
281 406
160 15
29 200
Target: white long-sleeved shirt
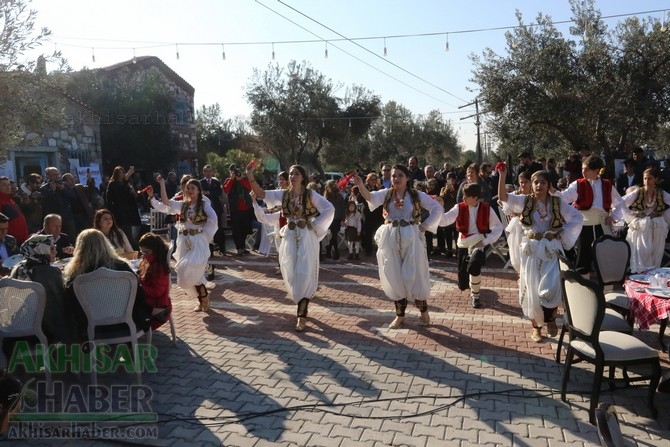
570 195
495 225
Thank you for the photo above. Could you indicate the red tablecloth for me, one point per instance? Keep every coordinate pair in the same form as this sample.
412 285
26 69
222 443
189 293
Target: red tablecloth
647 308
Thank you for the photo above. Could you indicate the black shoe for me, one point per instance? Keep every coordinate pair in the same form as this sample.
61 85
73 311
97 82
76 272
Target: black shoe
356 256
336 255
351 256
449 254
476 303
210 272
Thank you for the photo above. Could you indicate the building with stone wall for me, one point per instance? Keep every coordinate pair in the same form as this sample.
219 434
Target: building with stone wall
77 143
74 144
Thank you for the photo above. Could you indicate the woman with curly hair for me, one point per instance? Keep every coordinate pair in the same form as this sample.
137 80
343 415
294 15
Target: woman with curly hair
104 221
308 216
196 227
402 256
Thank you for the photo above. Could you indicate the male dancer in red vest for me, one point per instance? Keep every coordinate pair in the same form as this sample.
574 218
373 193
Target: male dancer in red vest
599 202
479 227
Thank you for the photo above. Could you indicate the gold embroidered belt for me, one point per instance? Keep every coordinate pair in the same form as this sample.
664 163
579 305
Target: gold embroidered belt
191 232
540 236
400 223
300 223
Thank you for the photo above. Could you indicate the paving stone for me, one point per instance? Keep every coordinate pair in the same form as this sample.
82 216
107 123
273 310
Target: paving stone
249 382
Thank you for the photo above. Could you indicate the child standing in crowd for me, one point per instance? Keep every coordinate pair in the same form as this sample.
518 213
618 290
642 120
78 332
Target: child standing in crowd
479 227
154 274
352 233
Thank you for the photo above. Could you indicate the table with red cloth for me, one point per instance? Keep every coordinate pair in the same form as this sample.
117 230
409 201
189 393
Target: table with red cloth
647 309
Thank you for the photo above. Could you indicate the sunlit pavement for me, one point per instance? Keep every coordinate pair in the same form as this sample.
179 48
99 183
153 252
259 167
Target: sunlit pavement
239 375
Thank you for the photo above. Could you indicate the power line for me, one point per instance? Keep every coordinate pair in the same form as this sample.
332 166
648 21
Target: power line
371 52
343 39
355 57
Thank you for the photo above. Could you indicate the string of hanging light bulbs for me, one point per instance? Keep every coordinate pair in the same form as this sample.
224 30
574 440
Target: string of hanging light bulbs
665 24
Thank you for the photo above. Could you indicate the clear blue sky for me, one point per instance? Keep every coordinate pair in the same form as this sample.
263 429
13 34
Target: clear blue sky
112 29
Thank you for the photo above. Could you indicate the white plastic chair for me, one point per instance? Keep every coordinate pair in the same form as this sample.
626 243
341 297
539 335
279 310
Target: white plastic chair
22 306
107 298
157 222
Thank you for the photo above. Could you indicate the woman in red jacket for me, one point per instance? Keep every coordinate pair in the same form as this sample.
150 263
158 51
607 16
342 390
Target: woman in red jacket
154 273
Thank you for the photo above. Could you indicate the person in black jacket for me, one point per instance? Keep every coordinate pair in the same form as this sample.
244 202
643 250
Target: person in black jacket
213 190
121 200
627 178
57 198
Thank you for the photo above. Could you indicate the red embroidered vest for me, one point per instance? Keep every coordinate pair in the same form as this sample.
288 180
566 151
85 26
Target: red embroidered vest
585 194
463 219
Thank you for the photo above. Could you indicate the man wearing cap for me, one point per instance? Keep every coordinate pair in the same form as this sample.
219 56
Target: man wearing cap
526 164
237 188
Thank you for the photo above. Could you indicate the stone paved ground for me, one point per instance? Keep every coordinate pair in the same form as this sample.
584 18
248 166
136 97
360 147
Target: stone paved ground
240 375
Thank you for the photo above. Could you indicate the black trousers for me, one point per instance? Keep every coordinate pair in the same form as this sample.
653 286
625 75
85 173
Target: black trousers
469 265
584 255
240 222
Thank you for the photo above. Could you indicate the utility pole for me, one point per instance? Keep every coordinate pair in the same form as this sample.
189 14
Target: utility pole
477 123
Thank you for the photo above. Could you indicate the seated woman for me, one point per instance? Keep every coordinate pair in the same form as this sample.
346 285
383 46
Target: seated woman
104 221
93 251
38 253
154 273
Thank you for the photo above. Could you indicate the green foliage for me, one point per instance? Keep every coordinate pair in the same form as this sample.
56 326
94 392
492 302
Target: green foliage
297 117
136 110
397 135
214 134
221 163
29 99
607 88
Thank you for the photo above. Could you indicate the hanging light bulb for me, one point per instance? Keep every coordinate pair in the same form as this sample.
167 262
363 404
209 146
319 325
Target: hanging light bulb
446 45
134 58
177 47
385 53
93 55
223 52
273 51
325 54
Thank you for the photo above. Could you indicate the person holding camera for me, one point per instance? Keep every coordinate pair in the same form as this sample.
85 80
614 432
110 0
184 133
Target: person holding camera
241 209
57 198
29 200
